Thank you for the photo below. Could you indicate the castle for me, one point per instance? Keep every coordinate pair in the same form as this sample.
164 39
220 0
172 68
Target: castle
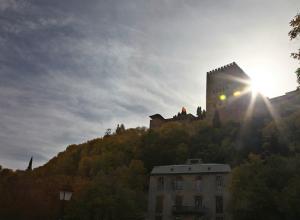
157 120
228 94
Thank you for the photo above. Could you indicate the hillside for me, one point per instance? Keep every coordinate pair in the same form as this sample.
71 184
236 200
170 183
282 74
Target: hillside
109 175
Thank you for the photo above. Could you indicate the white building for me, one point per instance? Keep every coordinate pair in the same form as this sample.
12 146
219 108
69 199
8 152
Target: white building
190 191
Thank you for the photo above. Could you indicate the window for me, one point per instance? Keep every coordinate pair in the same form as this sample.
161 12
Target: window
195 161
198 184
160 183
178 201
159 205
178 183
219 181
219 204
198 202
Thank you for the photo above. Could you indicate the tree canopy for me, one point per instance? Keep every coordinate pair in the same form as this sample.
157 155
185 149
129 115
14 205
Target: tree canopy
109 175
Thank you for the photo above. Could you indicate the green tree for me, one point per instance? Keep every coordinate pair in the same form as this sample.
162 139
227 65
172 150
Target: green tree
199 111
107 132
112 196
294 33
109 174
266 189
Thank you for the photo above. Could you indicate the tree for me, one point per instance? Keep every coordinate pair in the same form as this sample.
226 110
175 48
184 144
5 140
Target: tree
29 168
266 189
109 176
107 132
199 111
120 129
203 113
294 33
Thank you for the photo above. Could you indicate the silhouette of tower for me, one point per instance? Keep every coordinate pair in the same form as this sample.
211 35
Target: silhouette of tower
225 93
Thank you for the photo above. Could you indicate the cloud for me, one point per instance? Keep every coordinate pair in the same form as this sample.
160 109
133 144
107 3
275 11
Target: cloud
8 4
15 6
70 70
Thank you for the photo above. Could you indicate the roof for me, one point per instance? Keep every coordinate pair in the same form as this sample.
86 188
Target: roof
156 116
191 169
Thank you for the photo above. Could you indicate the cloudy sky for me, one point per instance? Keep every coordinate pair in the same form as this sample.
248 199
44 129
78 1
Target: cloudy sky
71 69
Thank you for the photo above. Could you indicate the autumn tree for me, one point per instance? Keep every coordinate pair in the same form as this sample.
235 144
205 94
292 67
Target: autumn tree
109 175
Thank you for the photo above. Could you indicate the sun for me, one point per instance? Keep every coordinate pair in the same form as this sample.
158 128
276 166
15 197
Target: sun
263 81
255 88
261 85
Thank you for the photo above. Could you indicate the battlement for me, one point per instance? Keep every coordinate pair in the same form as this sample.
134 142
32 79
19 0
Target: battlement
224 68
229 70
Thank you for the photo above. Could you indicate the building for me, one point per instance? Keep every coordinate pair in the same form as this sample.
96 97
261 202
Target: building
229 95
288 103
190 191
157 120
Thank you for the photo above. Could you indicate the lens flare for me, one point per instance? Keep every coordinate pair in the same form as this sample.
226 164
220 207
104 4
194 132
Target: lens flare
237 93
222 97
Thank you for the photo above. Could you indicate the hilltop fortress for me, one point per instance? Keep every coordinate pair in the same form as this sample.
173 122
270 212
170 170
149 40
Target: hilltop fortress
229 96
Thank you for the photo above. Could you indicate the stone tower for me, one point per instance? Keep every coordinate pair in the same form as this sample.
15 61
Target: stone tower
227 91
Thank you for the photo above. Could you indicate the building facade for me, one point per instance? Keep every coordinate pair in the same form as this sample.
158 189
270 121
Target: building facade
190 191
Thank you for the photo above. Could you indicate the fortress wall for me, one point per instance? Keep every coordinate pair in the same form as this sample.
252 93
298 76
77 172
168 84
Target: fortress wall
156 123
288 103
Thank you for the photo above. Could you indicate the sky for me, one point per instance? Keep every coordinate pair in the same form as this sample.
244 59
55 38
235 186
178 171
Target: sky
71 69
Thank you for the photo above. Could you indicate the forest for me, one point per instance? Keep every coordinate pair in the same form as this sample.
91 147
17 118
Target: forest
109 175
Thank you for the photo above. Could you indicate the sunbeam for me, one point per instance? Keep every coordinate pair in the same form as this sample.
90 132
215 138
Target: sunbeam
274 114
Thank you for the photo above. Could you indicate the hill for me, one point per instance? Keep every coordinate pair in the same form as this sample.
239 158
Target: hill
109 175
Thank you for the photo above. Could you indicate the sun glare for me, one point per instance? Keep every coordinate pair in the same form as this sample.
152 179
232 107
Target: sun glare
260 86
263 83
237 93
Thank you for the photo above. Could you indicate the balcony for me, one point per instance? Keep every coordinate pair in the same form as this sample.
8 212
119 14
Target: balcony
181 210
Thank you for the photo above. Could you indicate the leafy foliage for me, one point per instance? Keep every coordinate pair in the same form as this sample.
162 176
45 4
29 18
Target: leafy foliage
109 175
266 189
294 33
